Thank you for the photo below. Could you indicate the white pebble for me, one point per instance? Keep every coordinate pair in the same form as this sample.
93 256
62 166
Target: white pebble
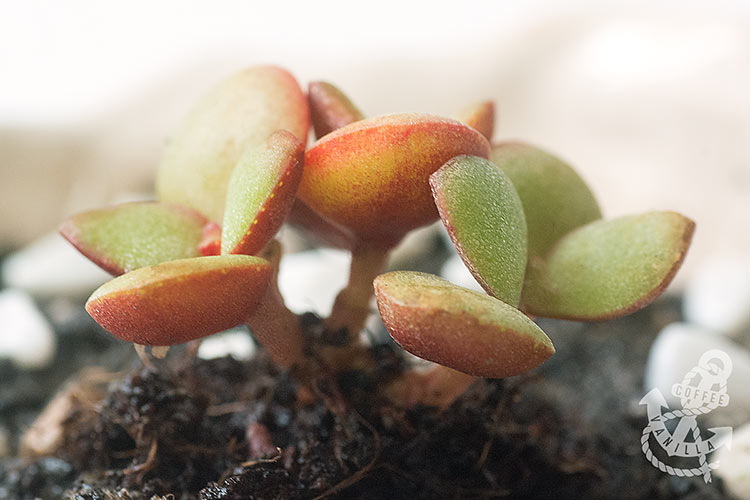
455 271
678 349
52 267
235 342
718 295
310 281
27 338
734 463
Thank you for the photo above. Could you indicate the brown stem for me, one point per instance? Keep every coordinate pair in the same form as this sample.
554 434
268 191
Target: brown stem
273 325
352 305
439 386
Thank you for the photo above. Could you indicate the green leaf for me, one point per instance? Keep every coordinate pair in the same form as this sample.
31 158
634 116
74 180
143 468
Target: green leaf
608 268
133 235
555 198
484 217
459 328
261 192
181 300
241 111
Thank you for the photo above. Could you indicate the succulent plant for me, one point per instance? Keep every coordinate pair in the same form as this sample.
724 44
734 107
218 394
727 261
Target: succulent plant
203 258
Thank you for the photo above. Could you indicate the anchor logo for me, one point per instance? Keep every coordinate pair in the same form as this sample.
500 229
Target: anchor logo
703 389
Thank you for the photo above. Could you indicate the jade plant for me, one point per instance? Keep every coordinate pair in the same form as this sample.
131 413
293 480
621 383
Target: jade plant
203 258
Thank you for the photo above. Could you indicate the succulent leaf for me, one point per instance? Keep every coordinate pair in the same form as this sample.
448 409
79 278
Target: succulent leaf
485 220
371 176
261 192
211 240
480 116
181 300
608 268
459 328
330 108
239 112
133 235
555 198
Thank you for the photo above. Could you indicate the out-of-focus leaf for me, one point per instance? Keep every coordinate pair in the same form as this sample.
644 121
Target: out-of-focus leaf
480 116
608 268
330 108
555 198
239 112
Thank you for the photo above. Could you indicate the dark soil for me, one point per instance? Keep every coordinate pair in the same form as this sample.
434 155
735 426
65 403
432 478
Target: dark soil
225 429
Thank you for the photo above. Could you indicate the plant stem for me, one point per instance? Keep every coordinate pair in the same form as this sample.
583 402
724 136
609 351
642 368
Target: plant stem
352 305
439 386
273 325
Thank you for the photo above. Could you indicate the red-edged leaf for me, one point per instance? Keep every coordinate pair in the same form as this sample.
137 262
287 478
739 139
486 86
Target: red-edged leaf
126 237
330 109
241 111
372 176
261 193
459 328
181 300
481 116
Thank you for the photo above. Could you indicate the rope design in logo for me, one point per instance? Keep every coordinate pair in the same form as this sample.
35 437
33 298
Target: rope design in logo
708 375
704 469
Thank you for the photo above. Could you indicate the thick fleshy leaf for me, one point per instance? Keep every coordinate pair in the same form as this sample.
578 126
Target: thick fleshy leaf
459 328
480 116
608 268
484 218
555 198
330 109
261 192
211 240
372 176
177 301
240 112
133 235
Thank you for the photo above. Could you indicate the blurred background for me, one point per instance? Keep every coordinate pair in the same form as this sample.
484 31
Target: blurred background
649 100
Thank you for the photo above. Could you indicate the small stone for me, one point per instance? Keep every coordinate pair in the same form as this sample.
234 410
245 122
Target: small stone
734 463
309 281
52 267
455 271
718 295
678 349
235 342
27 338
